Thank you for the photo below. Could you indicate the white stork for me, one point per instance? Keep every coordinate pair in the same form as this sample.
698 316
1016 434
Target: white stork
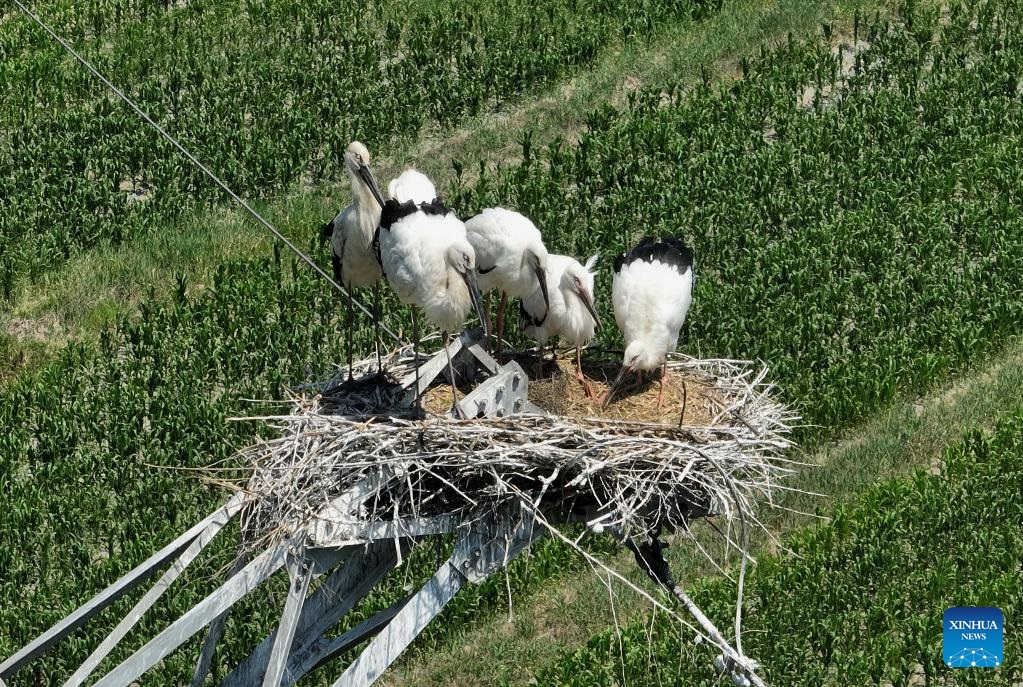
651 294
428 261
570 312
351 239
510 256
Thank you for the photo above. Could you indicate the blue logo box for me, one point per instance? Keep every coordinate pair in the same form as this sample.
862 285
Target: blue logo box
973 637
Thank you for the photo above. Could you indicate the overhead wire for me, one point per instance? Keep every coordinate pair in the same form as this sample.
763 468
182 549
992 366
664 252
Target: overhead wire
195 161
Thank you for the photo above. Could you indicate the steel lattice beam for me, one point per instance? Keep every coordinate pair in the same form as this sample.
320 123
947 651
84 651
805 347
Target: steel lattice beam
353 557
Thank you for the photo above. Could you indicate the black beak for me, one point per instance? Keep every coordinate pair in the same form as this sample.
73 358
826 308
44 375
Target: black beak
615 386
541 277
371 182
588 302
477 300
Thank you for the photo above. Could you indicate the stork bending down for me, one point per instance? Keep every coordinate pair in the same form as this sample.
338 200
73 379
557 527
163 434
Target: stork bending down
651 294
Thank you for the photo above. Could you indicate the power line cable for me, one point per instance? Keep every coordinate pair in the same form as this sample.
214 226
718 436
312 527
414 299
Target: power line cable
206 170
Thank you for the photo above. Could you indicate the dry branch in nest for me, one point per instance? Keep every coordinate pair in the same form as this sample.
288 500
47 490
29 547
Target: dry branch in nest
351 439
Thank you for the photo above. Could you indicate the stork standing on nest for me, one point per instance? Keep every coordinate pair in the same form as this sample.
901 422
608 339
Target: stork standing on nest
570 311
510 256
351 240
428 261
651 294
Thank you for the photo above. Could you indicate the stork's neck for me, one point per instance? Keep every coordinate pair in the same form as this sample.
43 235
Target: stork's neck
362 196
366 207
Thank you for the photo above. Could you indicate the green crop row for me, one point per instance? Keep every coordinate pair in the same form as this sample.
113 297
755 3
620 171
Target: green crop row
263 92
860 600
863 248
864 245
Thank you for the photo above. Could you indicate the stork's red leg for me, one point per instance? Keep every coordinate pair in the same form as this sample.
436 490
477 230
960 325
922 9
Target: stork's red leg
415 354
376 325
587 387
660 393
351 330
685 400
451 373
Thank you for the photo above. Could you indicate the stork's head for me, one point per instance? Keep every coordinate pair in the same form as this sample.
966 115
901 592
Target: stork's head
357 166
534 259
577 280
461 256
462 259
356 155
638 356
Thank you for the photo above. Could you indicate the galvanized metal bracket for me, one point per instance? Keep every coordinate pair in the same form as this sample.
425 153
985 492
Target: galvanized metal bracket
467 355
502 395
494 541
466 350
350 533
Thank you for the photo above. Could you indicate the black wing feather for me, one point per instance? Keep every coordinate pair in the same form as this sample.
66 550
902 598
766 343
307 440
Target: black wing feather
525 319
327 231
394 211
335 263
670 250
376 246
434 207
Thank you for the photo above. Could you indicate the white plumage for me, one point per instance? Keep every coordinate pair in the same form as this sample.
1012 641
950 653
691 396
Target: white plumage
651 294
352 230
510 256
427 259
351 233
571 313
412 185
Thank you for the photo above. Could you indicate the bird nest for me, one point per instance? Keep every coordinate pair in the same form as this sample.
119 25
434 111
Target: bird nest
718 449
